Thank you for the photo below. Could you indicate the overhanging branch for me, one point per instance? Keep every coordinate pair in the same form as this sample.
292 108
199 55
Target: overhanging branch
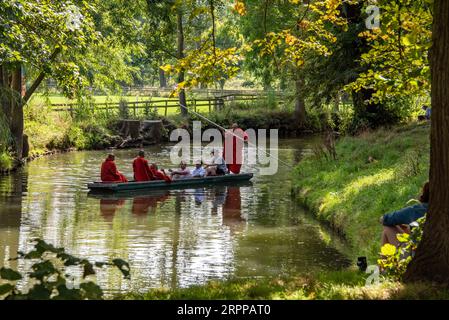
39 78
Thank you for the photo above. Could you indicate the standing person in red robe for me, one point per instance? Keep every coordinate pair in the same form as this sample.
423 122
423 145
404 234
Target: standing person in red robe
141 168
233 148
109 172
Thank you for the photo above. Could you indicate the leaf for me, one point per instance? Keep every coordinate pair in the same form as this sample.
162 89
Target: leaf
43 269
65 293
6 288
88 269
39 292
388 250
123 266
68 259
10 274
403 237
92 290
33 255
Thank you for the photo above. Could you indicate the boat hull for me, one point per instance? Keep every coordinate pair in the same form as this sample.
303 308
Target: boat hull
175 184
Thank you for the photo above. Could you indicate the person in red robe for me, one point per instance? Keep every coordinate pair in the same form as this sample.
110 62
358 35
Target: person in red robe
109 172
141 168
159 174
233 148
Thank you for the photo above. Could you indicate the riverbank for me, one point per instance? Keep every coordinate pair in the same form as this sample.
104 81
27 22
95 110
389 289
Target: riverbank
337 285
375 173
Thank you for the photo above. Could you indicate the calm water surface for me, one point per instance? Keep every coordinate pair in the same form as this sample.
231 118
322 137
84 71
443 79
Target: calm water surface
171 238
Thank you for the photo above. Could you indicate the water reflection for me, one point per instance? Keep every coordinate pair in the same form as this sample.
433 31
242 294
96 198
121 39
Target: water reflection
13 186
172 238
232 211
108 207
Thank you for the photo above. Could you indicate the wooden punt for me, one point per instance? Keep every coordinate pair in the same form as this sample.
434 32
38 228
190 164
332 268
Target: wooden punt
175 184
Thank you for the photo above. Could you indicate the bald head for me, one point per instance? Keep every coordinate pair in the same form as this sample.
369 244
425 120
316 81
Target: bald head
111 157
141 153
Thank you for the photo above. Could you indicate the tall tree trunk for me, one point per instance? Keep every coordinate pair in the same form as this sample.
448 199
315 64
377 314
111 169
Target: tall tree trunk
182 93
431 261
5 93
162 79
300 106
16 122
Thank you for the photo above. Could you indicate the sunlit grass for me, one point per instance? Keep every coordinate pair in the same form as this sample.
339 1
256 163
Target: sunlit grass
375 173
39 100
335 285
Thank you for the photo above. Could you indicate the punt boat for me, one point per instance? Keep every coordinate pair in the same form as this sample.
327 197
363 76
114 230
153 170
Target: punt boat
111 187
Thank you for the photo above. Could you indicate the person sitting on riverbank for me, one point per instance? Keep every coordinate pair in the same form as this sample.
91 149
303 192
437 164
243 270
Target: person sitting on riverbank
427 115
159 174
199 171
397 222
141 168
181 173
217 165
109 172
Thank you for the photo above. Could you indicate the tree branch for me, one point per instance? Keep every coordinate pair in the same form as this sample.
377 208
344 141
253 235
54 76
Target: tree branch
39 78
212 9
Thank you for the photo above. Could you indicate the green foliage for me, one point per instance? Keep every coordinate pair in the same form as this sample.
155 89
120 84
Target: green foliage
5 134
397 61
364 182
49 279
123 109
394 261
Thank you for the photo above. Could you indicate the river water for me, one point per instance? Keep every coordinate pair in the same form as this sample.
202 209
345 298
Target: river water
170 238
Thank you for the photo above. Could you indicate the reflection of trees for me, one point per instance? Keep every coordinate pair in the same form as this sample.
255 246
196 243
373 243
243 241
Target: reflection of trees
11 190
175 240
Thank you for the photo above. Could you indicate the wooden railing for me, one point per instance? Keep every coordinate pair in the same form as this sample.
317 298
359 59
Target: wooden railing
161 106
165 92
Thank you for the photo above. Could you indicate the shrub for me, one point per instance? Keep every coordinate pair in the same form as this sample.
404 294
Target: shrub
6 160
49 276
394 261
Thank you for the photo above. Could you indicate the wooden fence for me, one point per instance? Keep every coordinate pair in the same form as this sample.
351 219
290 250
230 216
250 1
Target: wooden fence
160 106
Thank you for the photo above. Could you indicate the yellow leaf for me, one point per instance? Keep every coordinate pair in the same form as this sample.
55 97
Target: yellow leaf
388 250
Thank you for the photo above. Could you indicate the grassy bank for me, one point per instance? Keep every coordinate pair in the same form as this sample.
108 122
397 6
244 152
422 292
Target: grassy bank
47 130
323 286
375 173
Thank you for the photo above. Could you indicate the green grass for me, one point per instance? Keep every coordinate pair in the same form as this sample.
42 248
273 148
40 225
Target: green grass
374 173
348 284
6 161
55 98
42 100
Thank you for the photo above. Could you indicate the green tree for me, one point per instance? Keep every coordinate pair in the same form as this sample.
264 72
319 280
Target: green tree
35 33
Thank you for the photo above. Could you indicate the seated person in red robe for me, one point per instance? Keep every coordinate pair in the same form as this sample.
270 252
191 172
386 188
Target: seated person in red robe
142 171
109 172
159 174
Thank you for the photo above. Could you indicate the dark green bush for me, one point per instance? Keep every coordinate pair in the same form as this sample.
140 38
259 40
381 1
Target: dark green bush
49 278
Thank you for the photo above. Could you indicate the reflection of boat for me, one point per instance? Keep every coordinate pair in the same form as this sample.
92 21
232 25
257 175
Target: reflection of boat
176 184
142 204
108 207
131 194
